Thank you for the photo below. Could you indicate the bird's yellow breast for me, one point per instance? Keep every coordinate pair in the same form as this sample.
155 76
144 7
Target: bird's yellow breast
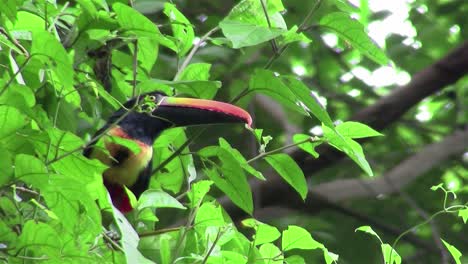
127 170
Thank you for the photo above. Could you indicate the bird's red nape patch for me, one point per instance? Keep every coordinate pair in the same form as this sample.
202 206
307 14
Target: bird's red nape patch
119 197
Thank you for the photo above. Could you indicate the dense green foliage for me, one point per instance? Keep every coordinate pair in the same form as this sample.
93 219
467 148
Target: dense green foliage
66 66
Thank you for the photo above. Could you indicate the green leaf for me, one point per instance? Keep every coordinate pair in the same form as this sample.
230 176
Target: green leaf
229 177
233 257
198 191
53 55
296 237
390 254
353 31
129 240
6 166
304 94
289 171
456 254
46 240
308 146
11 119
127 143
131 197
196 72
198 89
463 213
244 35
263 233
369 230
208 215
246 24
242 161
356 130
9 10
295 259
18 96
181 27
179 170
251 11
345 6
348 146
293 36
268 83
31 170
158 199
137 25
329 256
271 254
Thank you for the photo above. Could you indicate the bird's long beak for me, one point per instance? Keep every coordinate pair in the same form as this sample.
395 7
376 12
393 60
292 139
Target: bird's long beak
190 111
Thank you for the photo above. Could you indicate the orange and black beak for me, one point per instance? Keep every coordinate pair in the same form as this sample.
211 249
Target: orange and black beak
191 112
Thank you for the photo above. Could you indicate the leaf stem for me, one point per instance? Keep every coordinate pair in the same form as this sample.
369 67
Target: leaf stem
264 154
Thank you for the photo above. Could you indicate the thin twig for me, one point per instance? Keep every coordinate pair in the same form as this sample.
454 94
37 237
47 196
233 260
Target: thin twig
264 154
14 41
218 236
274 45
193 51
19 188
159 231
423 214
15 74
113 243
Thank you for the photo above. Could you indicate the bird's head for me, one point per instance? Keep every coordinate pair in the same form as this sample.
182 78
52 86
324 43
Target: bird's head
145 116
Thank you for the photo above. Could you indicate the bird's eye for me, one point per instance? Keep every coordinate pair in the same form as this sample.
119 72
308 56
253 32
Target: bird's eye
152 98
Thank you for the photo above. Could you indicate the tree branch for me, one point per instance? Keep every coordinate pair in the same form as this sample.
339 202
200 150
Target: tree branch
398 177
382 114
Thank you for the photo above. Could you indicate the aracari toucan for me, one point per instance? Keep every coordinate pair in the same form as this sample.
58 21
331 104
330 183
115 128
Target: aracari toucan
143 127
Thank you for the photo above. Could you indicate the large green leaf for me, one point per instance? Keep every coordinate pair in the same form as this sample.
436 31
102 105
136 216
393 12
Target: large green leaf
181 27
288 169
348 146
356 130
271 253
390 254
263 233
137 25
353 31
304 94
244 35
198 191
242 161
456 254
129 240
308 146
246 24
228 176
268 83
296 237
178 171
53 55
11 119
158 199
